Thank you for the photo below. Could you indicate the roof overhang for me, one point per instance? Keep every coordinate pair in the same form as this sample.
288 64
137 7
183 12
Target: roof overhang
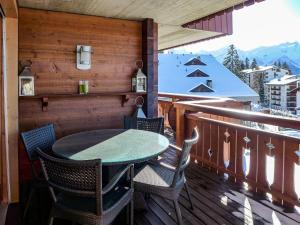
180 22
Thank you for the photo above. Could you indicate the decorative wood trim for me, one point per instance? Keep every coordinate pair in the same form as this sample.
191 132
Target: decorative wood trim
220 22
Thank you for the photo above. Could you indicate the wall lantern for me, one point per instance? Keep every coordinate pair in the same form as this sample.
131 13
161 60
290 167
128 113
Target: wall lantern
139 79
26 82
84 57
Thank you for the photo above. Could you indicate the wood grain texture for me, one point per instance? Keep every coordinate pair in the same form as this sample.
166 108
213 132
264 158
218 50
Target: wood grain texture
169 14
10 8
48 40
11 116
3 174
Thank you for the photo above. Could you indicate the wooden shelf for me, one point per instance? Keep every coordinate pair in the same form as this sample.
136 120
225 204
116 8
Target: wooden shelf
45 97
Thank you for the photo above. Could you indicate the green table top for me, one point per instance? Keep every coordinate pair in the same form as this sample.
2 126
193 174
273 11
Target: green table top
112 146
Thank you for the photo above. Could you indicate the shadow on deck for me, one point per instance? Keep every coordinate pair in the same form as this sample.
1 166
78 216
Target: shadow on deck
216 201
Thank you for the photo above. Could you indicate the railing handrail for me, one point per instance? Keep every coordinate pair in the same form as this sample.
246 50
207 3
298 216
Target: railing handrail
238 126
181 96
241 114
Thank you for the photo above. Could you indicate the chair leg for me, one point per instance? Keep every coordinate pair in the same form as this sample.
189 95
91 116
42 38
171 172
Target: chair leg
131 212
51 217
178 212
147 196
50 220
186 187
32 191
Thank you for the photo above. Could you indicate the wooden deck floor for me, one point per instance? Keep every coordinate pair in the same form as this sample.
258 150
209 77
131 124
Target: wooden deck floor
216 201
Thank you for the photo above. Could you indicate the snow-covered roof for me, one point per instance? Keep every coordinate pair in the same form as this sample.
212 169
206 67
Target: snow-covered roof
259 69
172 77
286 79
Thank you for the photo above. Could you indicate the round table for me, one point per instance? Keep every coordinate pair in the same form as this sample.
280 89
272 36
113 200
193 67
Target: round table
112 146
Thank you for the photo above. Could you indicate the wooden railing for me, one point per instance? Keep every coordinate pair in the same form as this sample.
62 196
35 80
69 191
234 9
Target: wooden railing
265 160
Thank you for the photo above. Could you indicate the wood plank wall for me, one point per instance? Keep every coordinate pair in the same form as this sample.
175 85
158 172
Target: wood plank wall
48 40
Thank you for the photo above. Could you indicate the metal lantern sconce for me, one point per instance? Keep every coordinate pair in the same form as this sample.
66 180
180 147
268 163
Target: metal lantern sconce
26 82
84 57
139 80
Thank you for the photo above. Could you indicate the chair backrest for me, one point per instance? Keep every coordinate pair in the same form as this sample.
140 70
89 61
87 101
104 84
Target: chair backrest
151 124
129 122
42 137
74 178
184 158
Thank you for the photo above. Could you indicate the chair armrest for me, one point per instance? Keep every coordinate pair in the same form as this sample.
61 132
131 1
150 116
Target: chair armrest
175 147
168 166
163 164
117 178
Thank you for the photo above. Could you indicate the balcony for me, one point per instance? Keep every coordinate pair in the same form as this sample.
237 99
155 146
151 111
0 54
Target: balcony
227 178
249 147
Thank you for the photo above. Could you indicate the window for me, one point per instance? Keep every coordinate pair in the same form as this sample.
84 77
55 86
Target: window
197 73
202 88
195 61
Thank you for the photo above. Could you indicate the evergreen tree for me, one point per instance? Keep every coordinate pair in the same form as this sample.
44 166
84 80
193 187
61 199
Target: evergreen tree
279 64
232 62
286 67
247 63
243 66
275 63
254 64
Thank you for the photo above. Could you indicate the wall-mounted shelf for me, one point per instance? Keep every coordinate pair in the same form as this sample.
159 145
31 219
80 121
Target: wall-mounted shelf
45 97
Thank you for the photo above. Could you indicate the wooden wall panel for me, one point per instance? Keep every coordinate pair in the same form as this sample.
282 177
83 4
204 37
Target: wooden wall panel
48 40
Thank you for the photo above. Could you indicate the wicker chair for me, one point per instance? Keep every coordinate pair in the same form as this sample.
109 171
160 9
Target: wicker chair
43 138
165 180
151 124
81 198
129 122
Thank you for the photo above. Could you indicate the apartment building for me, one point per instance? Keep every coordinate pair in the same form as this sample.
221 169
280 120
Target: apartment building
283 93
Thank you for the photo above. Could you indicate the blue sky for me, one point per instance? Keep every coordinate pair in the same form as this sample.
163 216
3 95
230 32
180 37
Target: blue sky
267 23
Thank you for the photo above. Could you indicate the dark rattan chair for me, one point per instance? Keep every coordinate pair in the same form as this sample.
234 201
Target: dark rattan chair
165 180
151 124
81 198
43 138
129 122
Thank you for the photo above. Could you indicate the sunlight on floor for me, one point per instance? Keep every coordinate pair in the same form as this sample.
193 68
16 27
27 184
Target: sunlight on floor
246 186
270 164
248 218
275 219
269 196
297 209
246 161
224 200
296 179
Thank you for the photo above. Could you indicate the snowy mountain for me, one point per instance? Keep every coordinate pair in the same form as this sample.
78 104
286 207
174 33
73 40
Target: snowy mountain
286 52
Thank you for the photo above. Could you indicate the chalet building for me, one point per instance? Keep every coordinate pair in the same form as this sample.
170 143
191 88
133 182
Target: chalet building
200 75
282 93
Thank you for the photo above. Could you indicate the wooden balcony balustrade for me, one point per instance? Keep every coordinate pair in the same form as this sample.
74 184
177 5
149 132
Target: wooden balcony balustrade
265 160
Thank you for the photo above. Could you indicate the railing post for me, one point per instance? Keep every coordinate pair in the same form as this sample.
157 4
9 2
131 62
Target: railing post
180 125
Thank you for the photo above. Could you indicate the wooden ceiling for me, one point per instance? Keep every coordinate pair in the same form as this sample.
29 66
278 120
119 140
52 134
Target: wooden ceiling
169 14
